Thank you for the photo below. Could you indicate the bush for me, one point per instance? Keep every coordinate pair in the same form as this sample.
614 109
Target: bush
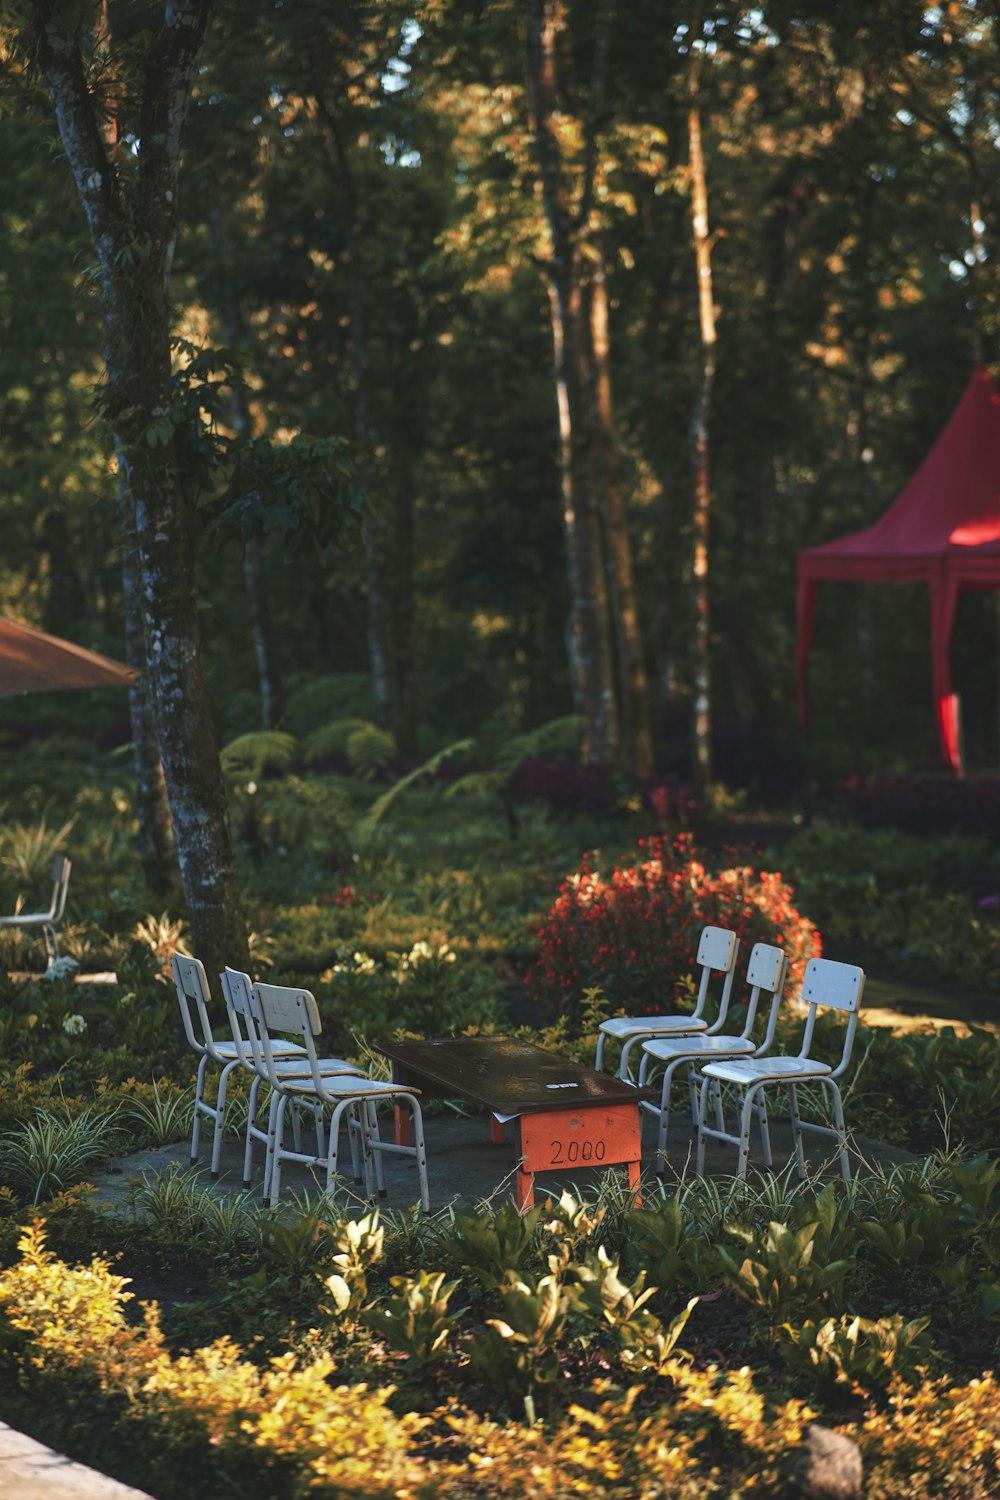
634 933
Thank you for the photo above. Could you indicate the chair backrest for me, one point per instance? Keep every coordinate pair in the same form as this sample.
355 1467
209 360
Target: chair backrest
194 999
61 868
237 991
292 1012
766 973
836 986
717 950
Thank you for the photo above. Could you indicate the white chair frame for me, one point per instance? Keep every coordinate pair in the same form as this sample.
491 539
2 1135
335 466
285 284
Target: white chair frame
765 973
288 1057
352 1100
50 919
194 999
827 984
717 950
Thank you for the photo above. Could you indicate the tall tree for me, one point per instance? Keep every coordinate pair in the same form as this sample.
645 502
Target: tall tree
126 169
593 659
701 723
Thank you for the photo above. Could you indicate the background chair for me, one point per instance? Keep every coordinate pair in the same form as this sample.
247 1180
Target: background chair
289 1058
717 951
280 1011
826 985
765 972
195 1001
48 920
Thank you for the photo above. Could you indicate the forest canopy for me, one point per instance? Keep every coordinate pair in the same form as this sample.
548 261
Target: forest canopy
441 385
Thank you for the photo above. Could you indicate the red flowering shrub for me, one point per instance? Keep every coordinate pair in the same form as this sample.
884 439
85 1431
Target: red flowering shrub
635 932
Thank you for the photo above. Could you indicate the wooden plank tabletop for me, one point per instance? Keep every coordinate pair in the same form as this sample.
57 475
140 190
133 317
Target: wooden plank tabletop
505 1074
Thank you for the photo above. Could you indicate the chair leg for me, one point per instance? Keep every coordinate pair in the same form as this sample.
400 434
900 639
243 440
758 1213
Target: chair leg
51 942
760 1110
375 1138
692 1092
420 1152
838 1114
199 1093
251 1127
661 1135
272 1125
220 1112
623 1061
699 1160
800 1155
276 1148
599 1056
720 1117
745 1115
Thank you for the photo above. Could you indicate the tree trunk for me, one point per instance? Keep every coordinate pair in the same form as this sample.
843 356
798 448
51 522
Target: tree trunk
131 210
591 653
157 850
258 614
701 727
380 614
637 733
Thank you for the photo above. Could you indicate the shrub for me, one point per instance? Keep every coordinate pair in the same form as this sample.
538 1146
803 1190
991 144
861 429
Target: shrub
634 933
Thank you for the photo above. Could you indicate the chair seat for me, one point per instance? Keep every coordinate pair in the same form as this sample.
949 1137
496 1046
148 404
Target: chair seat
695 1047
229 1050
746 1071
345 1083
329 1067
623 1027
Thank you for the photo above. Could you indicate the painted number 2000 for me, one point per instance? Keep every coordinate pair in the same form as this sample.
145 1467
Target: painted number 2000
576 1151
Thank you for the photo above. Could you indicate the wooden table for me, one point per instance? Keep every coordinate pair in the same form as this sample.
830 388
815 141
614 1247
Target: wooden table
564 1114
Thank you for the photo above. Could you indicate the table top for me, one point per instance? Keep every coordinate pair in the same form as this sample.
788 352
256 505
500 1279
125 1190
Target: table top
507 1075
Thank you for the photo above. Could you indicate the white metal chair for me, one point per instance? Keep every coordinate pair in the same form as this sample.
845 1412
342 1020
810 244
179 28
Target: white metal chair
826 984
765 972
717 951
50 919
195 1001
289 1058
292 1012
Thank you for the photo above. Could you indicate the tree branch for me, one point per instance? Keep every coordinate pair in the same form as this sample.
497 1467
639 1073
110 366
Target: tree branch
61 62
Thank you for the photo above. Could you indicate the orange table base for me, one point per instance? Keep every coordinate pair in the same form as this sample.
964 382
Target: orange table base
605 1135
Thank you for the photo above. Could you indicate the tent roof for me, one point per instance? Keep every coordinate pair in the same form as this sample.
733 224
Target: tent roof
32 662
946 520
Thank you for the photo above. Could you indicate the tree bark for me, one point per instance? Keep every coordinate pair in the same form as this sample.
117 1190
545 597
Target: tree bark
592 658
380 614
157 849
701 726
633 682
131 210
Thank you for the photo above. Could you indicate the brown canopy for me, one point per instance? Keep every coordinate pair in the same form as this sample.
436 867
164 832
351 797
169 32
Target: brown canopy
32 662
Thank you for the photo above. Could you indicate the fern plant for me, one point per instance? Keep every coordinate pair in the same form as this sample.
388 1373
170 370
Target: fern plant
367 747
250 755
561 734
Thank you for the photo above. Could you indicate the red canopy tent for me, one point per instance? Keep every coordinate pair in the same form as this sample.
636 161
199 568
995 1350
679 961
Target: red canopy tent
943 530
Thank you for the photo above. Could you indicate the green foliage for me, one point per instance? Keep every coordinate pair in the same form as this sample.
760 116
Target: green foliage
865 1354
415 1319
784 1272
28 849
304 491
367 747
517 1351
364 830
492 1245
252 754
53 1152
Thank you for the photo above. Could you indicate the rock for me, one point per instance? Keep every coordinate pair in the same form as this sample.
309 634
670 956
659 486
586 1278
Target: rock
826 1466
